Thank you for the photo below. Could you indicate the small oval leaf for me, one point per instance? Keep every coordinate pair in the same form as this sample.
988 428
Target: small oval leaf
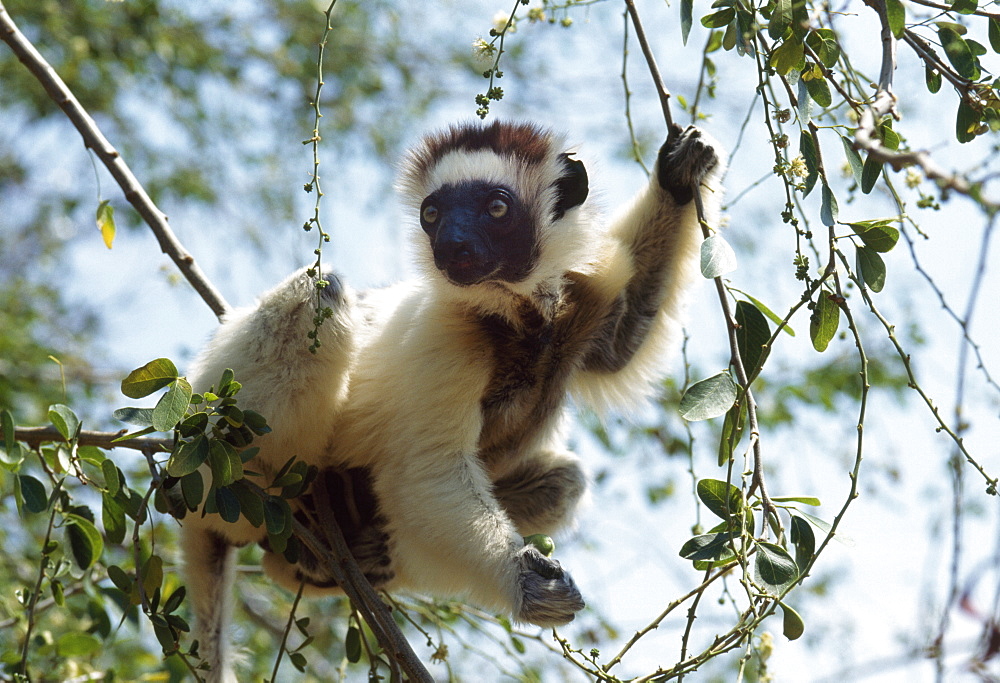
64 420
721 497
871 268
824 321
717 257
172 405
33 493
151 377
774 569
792 625
709 398
85 541
352 645
188 457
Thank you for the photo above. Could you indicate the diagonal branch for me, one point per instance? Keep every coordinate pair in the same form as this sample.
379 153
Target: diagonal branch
109 156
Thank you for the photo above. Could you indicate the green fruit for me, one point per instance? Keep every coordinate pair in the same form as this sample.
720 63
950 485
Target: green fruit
545 545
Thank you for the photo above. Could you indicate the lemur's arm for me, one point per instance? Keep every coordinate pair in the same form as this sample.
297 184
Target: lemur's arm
451 535
653 259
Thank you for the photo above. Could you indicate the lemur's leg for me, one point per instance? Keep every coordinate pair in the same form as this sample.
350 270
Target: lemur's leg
298 393
541 492
209 566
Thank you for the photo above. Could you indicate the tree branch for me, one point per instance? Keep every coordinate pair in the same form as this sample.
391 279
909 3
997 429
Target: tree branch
109 156
865 136
35 436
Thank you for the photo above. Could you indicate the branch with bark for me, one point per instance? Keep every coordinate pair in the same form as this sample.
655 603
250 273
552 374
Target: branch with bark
94 139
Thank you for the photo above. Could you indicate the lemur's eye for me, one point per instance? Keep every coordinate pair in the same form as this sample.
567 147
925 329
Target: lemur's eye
497 208
429 214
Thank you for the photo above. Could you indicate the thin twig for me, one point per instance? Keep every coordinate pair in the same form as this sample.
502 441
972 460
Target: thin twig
109 156
661 89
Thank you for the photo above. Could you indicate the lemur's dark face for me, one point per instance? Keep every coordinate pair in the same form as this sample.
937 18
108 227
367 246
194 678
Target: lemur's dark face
479 232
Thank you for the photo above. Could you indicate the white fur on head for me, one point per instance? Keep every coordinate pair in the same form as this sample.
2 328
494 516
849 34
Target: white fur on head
528 161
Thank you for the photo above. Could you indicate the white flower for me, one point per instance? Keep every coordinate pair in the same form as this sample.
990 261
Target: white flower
500 23
482 50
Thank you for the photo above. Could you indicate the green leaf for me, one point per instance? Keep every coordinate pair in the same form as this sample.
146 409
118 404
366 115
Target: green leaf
932 77
853 159
277 517
870 268
113 518
966 122
77 644
896 14
106 222
890 138
824 321
957 51
152 574
298 660
721 497
719 19
823 42
192 490
687 8
807 148
172 405
175 600
870 173
792 625
752 334
774 569
151 377
11 452
781 19
709 397
58 594
994 34
828 208
819 90
188 457
706 547
804 540
111 480
352 645
120 578
717 257
965 6
218 460
85 541
805 500
732 433
228 505
142 417
878 235
789 55
64 420
33 493
772 316
251 505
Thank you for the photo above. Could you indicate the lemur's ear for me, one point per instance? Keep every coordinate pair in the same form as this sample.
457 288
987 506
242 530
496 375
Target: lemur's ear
572 186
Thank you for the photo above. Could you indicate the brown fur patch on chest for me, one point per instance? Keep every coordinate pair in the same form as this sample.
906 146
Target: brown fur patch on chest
533 361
